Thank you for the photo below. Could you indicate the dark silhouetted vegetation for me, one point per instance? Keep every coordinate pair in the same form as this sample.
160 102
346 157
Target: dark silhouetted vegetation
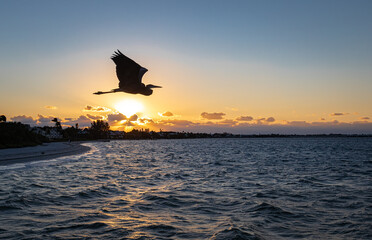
99 129
58 123
71 133
15 134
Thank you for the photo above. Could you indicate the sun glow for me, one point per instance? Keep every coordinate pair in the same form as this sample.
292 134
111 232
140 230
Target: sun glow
129 107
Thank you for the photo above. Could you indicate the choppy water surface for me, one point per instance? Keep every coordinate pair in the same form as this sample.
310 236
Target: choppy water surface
280 188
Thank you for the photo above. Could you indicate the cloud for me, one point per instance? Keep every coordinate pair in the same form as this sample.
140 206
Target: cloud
82 120
172 124
166 114
227 122
133 121
244 118
265 120
24 119
133 118
364 118
50 107
259 126
129 124
45 121
335 122
298 123
94 117
119 120
177 122
270 119
145 120
260 120
42 119
338 114
96 109
116 117
212 116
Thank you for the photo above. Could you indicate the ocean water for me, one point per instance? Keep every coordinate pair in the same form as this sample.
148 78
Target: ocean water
278 188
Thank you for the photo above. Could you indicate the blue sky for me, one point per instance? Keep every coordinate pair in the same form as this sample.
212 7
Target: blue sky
277 30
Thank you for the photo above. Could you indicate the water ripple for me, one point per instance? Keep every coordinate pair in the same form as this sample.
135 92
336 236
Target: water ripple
303 188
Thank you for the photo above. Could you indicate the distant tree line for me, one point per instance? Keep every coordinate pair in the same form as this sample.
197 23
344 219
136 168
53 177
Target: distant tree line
16 134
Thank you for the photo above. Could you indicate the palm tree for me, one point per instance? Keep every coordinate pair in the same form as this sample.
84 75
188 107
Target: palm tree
99 129
58 123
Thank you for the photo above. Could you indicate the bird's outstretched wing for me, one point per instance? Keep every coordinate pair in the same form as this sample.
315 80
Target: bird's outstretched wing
127 70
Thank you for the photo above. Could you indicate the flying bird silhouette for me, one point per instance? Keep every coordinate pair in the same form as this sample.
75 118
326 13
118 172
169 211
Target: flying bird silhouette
130 76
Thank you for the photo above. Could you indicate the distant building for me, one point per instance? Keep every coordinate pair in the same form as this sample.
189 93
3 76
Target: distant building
50 132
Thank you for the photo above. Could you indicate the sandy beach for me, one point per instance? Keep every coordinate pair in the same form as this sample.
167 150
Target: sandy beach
42 152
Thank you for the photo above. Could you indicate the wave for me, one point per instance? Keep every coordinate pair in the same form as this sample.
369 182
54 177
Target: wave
194 189
234 233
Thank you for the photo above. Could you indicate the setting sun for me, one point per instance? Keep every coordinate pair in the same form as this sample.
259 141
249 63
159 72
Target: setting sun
129 107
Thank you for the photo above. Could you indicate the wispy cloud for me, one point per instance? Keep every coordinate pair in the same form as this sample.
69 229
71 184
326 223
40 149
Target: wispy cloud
50 107
172 124
212 116
227 122
297 123
364 118
94 117
244 118
166 114
338 114
96 109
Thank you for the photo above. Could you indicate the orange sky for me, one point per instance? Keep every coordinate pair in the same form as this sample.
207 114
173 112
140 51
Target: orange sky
276 69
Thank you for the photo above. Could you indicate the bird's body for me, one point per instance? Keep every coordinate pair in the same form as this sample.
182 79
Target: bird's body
130 76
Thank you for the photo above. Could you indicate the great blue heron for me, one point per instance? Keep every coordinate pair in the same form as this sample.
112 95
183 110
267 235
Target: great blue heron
130 76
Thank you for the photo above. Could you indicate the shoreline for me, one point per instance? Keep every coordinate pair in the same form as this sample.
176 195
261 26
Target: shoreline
45 151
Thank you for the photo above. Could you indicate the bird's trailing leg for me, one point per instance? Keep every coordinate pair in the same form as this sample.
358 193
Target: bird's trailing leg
112 91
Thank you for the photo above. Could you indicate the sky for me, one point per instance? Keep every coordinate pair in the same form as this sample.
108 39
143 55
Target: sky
249 67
